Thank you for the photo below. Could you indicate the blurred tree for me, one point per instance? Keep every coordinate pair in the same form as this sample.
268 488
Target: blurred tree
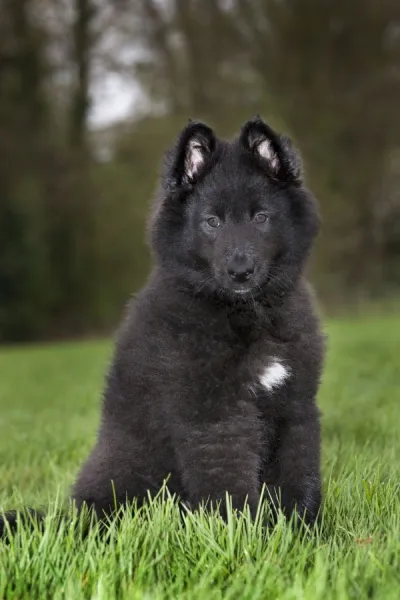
55 214
190 61
72 225
82 48
23 112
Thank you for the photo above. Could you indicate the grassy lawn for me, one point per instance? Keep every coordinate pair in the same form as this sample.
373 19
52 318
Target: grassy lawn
49 410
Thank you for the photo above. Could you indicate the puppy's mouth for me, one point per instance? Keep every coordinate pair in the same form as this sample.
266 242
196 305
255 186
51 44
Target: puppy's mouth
252 289
243 292
246 290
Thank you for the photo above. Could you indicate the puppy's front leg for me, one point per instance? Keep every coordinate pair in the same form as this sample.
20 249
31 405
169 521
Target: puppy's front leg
220 457
298 484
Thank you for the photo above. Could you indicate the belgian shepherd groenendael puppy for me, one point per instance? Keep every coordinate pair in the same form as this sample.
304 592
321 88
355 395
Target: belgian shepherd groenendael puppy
218 361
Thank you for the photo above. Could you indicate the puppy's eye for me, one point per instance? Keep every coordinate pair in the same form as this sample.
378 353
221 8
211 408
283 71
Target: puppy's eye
213 222
260 218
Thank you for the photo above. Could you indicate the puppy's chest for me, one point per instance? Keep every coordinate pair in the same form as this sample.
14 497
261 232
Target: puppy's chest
243 370
267 373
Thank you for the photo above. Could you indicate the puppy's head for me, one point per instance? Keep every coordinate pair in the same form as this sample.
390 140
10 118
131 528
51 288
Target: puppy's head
233 218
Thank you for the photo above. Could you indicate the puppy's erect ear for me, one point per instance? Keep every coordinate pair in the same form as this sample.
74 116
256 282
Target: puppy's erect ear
191 154
273 151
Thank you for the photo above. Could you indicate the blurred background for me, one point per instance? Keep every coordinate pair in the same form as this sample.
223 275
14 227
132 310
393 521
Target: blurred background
93 91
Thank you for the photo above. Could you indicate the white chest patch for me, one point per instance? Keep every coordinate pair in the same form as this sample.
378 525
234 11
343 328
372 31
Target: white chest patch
274 375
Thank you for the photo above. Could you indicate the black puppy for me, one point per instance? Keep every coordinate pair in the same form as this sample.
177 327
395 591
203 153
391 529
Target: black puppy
218 361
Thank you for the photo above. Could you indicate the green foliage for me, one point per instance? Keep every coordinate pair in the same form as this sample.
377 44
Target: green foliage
49 425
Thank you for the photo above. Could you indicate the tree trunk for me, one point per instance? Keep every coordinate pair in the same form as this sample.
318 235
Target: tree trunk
82 40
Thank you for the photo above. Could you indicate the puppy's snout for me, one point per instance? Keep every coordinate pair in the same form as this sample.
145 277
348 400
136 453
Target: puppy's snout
240 267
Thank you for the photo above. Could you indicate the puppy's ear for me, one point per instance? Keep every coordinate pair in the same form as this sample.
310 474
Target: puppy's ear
272 151
190 155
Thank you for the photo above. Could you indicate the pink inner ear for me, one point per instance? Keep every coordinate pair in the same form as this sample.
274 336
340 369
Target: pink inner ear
266 152
194 158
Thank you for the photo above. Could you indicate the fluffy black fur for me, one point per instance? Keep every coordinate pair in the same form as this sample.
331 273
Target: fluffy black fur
231 230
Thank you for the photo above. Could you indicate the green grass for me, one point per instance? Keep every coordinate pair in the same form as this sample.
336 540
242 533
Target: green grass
49 401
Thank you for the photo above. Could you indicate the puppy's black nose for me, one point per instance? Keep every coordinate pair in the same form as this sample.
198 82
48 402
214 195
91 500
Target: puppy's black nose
240 268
